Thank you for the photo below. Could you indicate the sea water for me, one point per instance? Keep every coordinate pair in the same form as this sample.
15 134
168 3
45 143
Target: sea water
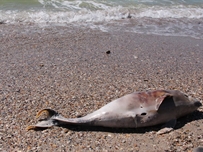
163 17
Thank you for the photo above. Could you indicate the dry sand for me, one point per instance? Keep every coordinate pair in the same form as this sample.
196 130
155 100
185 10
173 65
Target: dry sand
67 69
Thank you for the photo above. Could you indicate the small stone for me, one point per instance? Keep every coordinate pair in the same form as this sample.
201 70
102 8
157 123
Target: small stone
41 65
135 57
66 130
108 52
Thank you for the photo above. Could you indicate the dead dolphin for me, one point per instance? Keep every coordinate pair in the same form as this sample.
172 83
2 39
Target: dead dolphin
139 109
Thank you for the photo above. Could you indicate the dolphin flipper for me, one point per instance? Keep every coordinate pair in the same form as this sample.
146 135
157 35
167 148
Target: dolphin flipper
167 127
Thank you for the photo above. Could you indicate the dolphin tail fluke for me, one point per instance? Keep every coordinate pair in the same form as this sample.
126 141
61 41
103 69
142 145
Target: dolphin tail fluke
47 122
49 113
53 118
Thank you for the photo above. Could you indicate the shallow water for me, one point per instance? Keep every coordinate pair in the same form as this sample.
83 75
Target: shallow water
163 17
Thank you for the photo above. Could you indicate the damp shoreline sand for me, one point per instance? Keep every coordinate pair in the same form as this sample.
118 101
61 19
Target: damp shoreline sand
68 69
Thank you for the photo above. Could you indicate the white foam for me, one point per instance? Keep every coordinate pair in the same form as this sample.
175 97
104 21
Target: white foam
82 16
106 14
77 4
171 12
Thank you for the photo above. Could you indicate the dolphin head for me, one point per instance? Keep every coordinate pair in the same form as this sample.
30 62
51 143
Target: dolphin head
185 104
195 102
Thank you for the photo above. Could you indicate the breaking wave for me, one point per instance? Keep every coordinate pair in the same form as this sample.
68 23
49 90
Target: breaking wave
180 17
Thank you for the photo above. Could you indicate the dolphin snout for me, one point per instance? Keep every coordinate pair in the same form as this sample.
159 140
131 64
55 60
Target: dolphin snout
198 104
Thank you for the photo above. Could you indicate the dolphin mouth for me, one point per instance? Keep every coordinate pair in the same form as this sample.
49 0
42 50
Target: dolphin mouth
198 104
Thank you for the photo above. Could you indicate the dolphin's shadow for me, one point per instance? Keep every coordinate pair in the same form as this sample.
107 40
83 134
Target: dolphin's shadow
197 115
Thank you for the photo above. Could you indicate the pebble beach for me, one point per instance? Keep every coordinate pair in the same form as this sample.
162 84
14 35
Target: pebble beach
75 71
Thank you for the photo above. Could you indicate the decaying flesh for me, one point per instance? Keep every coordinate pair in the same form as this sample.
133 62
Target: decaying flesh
139 109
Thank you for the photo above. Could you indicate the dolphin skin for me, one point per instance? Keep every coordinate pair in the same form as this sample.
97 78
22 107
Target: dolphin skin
138 109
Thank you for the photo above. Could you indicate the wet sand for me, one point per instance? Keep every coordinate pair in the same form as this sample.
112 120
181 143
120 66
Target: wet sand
69 70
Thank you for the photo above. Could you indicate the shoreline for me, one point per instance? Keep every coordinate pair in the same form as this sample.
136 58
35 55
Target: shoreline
68 69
